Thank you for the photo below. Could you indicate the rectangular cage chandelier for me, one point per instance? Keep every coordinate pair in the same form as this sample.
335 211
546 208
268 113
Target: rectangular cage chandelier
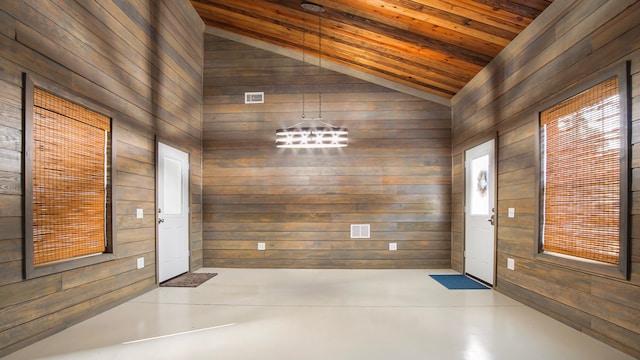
312 137
317 137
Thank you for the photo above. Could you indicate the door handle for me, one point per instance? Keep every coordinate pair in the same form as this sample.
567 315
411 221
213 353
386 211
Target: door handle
160 220
492 219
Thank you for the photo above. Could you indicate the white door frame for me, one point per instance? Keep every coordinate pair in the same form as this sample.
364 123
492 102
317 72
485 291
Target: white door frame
162 218
487 275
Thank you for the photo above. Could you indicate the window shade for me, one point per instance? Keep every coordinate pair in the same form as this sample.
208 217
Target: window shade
581 179
70 179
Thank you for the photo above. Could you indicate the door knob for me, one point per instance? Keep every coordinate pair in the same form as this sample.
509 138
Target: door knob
492 220
160 221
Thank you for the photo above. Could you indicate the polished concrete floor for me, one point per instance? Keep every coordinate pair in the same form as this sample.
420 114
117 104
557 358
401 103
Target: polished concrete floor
320 314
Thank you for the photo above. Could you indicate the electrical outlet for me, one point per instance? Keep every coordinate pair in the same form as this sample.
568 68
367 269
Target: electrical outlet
393 246
262 246
140 263
139 213
511 264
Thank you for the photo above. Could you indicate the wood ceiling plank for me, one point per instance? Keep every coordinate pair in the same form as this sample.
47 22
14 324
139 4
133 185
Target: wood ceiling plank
378 30
400 65
481 13
355 35
529 9
230 19
353 61
428 16
398 69
409 24
424 57
435 46
406 23
458 45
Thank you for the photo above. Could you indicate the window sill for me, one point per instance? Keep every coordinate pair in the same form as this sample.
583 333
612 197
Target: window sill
585 266
61 266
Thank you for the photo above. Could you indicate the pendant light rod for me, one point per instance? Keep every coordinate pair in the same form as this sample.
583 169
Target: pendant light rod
308 6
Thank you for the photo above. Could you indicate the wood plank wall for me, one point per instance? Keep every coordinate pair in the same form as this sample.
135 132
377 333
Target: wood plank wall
570 40
395 174
140 61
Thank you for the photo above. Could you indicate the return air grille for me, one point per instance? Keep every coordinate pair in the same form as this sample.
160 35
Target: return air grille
254 97
360 231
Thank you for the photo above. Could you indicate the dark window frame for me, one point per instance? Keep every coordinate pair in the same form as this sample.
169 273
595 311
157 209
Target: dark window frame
621 270
31 270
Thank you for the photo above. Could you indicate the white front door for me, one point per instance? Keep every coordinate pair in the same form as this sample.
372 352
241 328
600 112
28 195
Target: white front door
479 244
173 212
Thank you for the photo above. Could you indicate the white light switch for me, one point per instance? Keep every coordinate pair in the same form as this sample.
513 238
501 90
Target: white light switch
139 214
262 246
393 246
140 263
511 264
512 212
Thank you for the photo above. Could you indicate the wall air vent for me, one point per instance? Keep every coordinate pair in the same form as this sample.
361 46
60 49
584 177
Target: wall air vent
360 231
254 97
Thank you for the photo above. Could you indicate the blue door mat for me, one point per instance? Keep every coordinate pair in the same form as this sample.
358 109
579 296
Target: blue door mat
459 282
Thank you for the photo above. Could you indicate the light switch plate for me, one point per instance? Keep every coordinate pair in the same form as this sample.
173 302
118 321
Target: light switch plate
512 212
511 264
139 214
262 246
393 246
140 263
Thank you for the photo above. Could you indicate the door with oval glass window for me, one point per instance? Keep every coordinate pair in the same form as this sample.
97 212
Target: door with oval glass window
479 248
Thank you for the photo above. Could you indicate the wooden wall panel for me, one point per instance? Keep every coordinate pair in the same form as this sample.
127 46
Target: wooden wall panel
139 61
566 43
395 174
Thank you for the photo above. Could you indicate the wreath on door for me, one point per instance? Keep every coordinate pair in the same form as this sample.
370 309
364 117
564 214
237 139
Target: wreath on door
483 182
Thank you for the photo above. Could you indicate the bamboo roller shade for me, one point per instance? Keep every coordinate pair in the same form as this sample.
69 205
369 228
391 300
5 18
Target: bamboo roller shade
582 185
69 179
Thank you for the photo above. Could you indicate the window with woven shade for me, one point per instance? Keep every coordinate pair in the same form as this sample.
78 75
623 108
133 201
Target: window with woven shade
583 143
69 167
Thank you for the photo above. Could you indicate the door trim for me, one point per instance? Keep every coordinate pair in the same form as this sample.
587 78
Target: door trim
494 188
164 141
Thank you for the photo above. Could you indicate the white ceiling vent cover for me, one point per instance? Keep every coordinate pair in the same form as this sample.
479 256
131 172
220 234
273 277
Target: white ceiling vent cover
254 97
360 231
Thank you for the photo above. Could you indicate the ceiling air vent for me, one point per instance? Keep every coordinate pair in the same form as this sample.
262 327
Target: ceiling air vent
360 231
254 97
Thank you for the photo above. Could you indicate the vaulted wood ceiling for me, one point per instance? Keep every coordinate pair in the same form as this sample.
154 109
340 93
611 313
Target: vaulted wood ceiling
434 46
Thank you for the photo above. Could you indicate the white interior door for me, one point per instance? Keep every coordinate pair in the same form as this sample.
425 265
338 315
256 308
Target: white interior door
173 212
479 249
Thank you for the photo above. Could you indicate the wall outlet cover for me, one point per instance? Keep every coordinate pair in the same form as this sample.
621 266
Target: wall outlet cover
511 264
139 213
262 246
512 212
140 263
393 246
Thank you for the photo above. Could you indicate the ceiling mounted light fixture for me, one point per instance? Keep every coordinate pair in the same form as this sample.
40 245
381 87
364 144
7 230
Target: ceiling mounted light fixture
325 136
311 137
